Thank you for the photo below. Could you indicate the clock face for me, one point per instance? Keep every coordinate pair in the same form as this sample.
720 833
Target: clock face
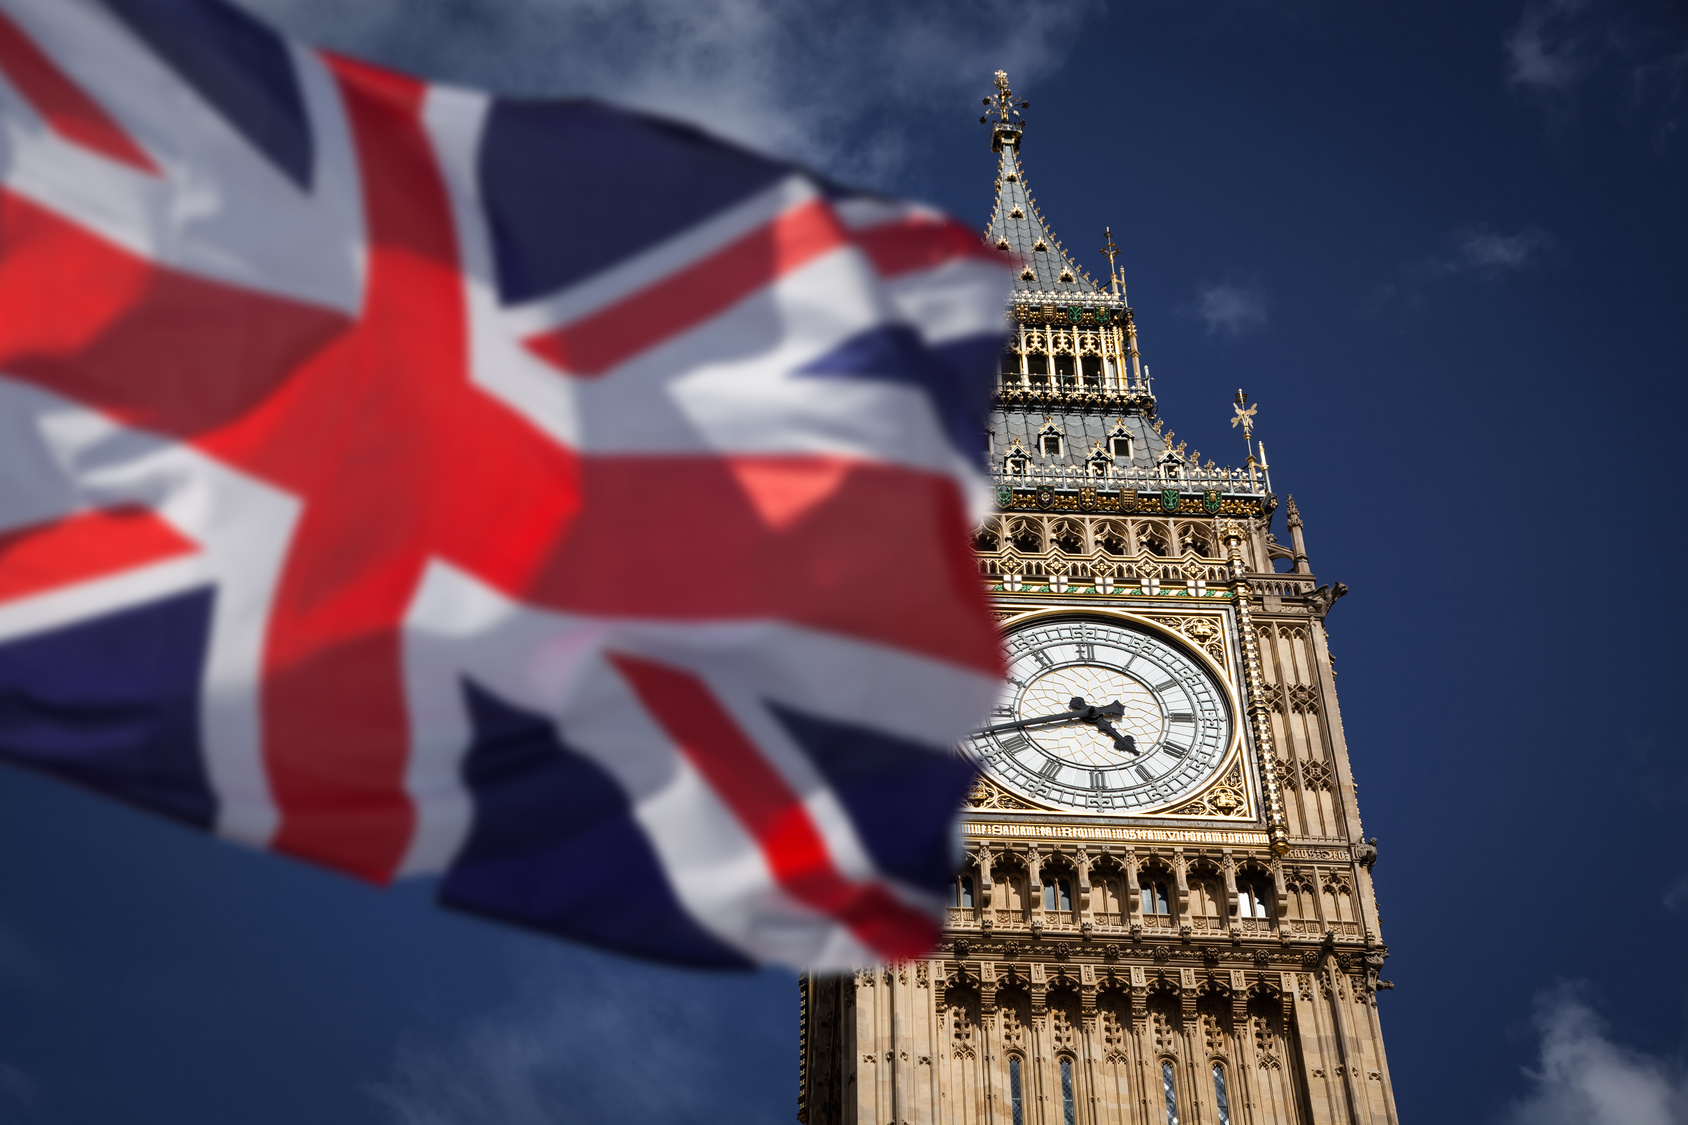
1157 727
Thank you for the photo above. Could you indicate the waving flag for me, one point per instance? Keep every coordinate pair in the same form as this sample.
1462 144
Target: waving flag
553 499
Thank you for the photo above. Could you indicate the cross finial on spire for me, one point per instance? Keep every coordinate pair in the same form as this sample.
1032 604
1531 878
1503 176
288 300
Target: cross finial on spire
1008 123
1110 250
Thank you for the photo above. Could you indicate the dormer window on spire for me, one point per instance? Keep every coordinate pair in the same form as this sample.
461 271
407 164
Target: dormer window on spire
1051 441
1119 441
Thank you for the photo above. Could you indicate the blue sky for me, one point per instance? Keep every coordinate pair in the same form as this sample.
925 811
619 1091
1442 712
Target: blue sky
1444 246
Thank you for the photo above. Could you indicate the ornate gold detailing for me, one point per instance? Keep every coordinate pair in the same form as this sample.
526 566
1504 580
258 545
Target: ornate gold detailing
1259 713
1204 631
987 794
1225 798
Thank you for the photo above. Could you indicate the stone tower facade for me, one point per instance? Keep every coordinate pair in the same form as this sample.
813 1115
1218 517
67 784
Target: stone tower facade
1165 915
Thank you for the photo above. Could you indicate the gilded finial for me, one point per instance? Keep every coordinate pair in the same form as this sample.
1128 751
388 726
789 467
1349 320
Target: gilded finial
1245 419
1109 251
1008 124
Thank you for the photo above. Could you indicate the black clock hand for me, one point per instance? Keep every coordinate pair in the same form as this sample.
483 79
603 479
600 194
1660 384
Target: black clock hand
1122 742
1040 721
1078 710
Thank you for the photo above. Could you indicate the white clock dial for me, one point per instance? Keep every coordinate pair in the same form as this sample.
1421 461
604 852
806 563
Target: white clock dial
1150 723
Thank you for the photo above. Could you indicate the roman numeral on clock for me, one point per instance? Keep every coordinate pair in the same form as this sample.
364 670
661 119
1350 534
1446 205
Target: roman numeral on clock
1042 658
1181 718
1050 768
1143 772
1013 744
1175 751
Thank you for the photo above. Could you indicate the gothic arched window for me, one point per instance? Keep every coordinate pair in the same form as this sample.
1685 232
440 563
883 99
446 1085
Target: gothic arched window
1154 897
1069 1114
1252 896
1016 1096
1058 895
1220 1100
1171 1090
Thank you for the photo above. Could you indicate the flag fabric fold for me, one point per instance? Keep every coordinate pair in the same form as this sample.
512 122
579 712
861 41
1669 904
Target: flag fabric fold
553 500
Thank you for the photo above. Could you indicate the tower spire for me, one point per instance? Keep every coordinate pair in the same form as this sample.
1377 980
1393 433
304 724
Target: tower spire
1017 227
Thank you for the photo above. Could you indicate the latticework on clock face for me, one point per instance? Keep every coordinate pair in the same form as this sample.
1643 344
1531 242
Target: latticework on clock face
1174 716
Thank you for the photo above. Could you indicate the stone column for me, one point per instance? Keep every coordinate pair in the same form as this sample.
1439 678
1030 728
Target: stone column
1293 517
1260 719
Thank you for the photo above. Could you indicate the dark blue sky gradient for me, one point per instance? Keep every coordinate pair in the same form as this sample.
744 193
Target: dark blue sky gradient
1462 304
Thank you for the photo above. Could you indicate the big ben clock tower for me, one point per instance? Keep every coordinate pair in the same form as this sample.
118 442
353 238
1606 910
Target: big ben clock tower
1165 915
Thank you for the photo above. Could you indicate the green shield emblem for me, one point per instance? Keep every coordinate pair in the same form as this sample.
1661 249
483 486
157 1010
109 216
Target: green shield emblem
1004 496
1210 500
1169 499
1075 314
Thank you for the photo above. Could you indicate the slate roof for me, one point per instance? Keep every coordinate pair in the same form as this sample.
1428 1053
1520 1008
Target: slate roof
1017 221
1081 429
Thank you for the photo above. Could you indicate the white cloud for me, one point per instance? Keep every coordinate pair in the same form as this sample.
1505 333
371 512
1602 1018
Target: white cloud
592 1038
1559 46
17 1090
1230 308
1676 895
1490 252
1584 1077
789 76
1542 53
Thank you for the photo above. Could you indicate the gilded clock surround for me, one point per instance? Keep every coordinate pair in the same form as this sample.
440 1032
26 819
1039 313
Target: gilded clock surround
1202 636
1216 960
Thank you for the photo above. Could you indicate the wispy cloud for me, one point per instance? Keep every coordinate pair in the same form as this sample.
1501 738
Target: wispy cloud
1585 1077
791 76
1543 51
1559 46
1489 253
1231 308
600 1043
19 1094
1479 252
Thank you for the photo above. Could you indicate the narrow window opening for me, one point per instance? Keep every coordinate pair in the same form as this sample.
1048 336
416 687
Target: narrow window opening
1171 1096
964 891
1251 899
1154 898
1069 1113
1121 445
1219 1098
1052 445
1064 369
1058 895
1015 1101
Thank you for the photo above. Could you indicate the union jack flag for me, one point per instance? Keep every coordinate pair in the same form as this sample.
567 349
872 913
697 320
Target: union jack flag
552 499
